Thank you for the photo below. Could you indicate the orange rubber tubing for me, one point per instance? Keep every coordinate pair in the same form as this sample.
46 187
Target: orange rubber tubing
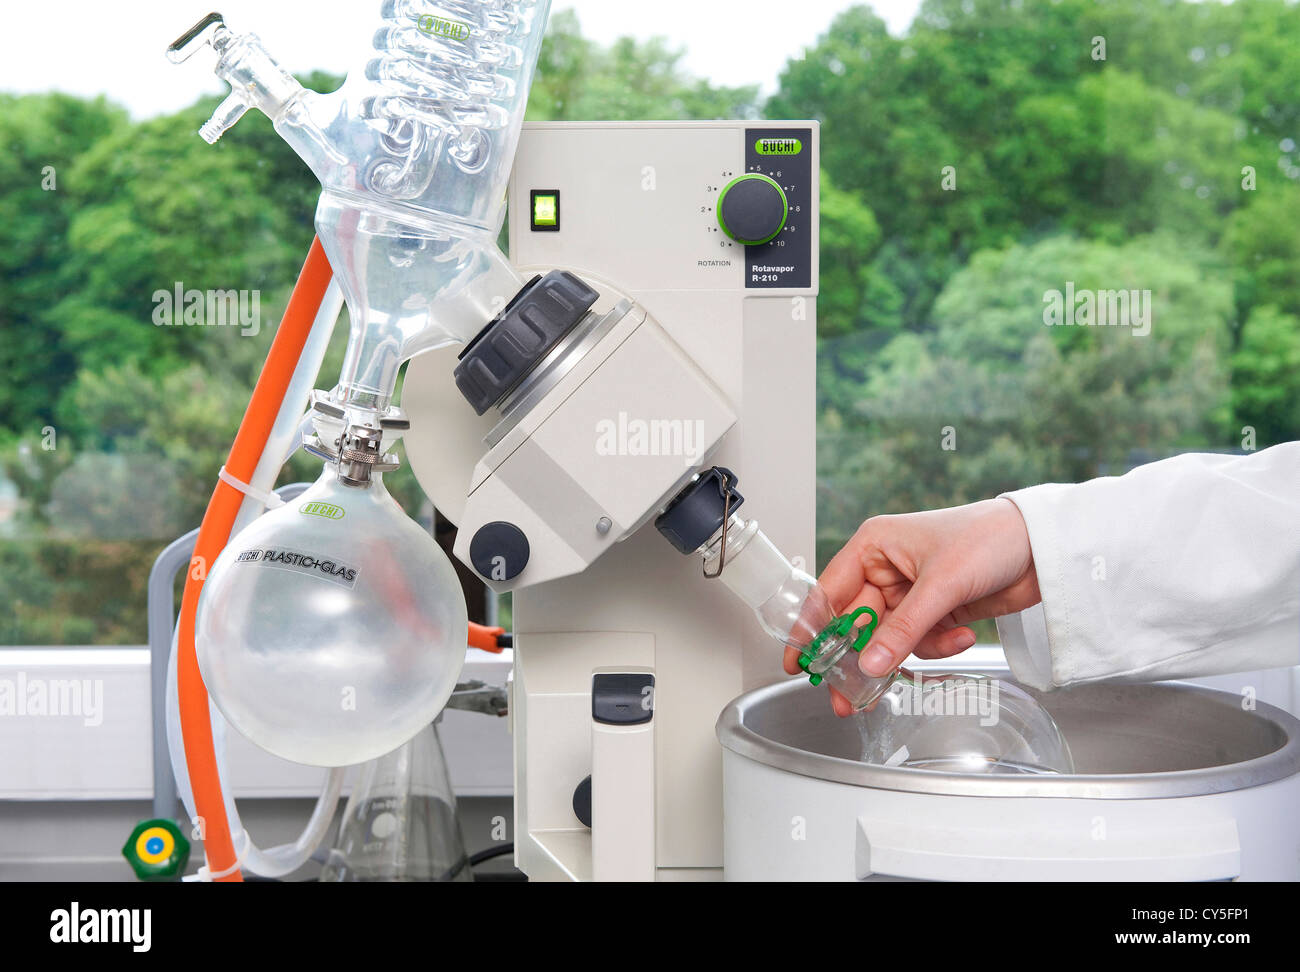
245 453
218 520
481 636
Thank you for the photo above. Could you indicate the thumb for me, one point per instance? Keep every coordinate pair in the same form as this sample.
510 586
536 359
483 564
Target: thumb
923 607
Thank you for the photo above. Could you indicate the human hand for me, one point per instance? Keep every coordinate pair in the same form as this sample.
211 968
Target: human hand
928 575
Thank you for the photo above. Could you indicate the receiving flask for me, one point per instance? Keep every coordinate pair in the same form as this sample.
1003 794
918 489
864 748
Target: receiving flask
332 629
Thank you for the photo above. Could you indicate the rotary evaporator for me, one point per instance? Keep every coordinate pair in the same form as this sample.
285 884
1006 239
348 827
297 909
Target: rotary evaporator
650 341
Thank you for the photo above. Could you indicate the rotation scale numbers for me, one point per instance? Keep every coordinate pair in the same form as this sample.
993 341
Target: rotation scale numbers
764 208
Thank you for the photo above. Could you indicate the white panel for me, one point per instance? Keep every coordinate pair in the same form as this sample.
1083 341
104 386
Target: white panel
634 202
623 802
63 758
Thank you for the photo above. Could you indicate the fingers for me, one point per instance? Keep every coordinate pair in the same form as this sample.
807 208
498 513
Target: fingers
791 662
840 704
945 644
902 631
842 580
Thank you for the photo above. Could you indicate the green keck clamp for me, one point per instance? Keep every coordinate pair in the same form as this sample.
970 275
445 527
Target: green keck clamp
841 627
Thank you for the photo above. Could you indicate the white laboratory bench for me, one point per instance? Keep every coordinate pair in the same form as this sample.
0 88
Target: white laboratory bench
70 792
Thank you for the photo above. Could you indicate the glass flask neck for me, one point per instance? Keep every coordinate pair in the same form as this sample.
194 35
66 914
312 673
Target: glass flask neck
794 609
751 566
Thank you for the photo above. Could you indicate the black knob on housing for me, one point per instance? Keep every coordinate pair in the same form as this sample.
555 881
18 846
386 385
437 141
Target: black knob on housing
515 341
499 550
582 802
752 208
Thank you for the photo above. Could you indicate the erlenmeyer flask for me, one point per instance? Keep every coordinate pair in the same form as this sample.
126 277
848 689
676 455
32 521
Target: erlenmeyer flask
400 822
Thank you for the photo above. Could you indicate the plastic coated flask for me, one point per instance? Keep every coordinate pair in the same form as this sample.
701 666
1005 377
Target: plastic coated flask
400 823
332 630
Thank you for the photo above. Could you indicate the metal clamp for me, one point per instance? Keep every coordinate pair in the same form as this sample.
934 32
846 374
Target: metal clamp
726 523
357 450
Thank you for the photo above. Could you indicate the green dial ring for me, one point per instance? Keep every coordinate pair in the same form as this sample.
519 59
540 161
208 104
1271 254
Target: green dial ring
751 177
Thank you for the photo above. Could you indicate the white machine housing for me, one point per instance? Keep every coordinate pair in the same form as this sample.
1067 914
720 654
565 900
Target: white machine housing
720 335
560 472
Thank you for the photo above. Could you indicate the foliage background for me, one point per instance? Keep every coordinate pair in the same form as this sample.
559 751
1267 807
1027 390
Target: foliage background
1124 172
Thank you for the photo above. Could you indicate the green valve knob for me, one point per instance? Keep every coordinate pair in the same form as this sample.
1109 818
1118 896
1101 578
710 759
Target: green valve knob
752 209
157 851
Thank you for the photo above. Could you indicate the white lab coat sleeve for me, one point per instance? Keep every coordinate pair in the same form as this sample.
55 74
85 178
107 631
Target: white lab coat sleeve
1179 569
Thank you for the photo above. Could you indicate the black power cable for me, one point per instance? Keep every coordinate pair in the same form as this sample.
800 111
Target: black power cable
486 855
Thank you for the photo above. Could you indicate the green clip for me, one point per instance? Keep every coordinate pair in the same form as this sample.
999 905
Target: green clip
838 628
865 632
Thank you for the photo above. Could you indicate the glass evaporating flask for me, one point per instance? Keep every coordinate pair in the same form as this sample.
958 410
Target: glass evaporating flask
956 723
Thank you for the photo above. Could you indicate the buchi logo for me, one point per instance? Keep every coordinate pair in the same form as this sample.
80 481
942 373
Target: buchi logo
778 146
441 27
327 510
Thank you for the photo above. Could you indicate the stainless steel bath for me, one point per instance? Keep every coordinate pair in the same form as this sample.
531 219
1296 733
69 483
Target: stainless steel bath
1152 760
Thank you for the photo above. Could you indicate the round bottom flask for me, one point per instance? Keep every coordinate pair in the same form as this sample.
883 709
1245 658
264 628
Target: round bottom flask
950 723
963 723
332 630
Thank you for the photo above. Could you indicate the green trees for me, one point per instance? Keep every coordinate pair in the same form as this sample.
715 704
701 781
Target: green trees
578 79
997 152
1004 149
991 398
112 428
42 136
1266 374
